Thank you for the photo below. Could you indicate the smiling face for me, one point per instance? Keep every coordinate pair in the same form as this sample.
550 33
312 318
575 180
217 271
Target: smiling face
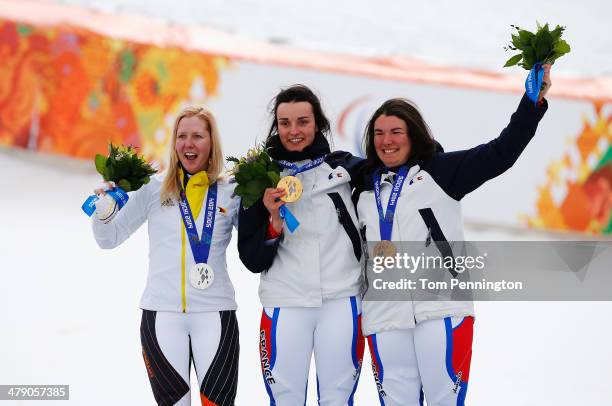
193 144
391 140
296 125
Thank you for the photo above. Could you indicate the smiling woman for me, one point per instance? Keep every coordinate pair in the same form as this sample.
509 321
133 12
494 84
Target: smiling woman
296 125
412 191
188 306
309 284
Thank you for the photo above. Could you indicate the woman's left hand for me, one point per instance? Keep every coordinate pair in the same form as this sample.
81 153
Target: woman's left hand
546 82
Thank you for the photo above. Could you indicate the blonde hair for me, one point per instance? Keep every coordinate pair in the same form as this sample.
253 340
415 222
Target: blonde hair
171 187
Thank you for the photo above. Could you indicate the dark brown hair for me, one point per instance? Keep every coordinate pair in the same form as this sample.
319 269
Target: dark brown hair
299 93
423 145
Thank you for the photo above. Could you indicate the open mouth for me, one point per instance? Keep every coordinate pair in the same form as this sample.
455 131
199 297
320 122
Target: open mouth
296 140
190 156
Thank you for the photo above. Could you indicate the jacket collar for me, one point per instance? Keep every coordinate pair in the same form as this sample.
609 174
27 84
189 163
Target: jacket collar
199 179
319 147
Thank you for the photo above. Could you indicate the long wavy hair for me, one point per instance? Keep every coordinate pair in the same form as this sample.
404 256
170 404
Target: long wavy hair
171 187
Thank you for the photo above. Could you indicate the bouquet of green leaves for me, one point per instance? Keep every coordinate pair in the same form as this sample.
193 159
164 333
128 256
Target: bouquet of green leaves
125 167
542 47
253 174
127 170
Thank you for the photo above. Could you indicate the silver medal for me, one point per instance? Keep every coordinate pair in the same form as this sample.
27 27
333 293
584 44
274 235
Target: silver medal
201 276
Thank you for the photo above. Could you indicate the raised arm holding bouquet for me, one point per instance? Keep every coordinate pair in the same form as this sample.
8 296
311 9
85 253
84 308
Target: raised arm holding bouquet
537 49
123 171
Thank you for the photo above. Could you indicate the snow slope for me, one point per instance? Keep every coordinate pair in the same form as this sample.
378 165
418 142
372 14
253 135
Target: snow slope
70 311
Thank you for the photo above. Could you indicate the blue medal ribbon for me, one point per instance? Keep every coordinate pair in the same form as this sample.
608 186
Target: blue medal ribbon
385 220
120 196
533 83
291 221
294 169
200 247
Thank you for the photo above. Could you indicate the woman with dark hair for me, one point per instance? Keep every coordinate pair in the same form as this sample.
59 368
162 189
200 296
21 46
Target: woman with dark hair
310 278
412 192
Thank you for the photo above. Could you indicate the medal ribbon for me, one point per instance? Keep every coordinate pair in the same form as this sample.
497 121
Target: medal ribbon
285 213
299 169
200 247
533 83
120 196
385 220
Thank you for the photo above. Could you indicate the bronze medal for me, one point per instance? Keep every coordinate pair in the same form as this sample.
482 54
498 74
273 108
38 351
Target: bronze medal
385 248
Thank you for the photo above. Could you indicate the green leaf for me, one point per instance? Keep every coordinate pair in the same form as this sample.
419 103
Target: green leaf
100 162
125 185
232 159
516 41
562 47
239 190
136 184
259 171
274 178
255 188
122 169
248 201
525 37
246 170
529 58
543 44
242 178
556 33
266 158
109 173
514 60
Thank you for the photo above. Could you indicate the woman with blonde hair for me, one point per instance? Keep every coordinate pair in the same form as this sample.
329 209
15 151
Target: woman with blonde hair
188 306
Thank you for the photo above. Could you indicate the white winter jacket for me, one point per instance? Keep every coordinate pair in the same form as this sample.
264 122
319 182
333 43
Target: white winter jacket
429 207
170 256
321 258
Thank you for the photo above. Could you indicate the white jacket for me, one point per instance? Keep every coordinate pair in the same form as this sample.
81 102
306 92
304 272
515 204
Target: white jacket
321 258
429 207
170 256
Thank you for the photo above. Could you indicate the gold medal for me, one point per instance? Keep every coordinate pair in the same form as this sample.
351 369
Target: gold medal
292 186
385 248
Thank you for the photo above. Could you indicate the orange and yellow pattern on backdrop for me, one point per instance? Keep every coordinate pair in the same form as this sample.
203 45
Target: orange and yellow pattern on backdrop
578 193
69 91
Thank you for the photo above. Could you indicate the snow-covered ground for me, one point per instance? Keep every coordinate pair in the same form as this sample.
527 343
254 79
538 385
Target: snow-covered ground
69 311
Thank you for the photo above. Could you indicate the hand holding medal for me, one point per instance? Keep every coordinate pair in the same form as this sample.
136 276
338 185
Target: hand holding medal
292 187
123 171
